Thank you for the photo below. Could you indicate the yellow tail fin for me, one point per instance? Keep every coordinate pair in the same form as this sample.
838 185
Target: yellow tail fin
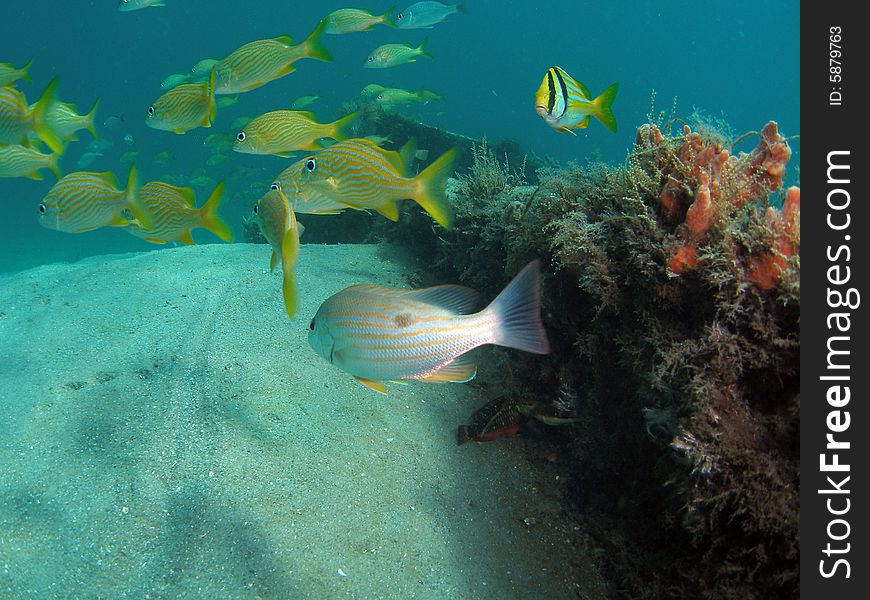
603 104
89 119
430 188
210 218
313 47
340 130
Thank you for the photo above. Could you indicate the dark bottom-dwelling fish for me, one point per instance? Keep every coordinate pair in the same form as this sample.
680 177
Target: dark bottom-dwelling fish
278 224
174 214
83 201
503 417
379 334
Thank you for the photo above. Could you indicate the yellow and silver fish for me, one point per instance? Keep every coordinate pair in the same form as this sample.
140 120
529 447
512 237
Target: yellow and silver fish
183 108
391 55
261 61
283 131
348 20
83 201
17 119
130 5
565 103
278 224
9 74
174 80
360 174
201 70
426 14
379 334
392 96
65 121
174 214
20 161
303 101
372 90
305 201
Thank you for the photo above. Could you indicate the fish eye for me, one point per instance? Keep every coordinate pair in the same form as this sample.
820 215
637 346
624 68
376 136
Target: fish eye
310 165
380 96
241 136
400 16
151 111
41 208
276 187
256 209
371 58
311 325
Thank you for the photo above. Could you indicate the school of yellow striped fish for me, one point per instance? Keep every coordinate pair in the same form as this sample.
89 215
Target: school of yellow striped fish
375 334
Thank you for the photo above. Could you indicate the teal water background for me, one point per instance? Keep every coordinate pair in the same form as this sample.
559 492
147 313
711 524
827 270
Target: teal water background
738 61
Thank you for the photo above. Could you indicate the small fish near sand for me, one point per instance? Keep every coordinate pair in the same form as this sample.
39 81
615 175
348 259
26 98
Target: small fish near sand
84 201
361 175
281 132
392 55
275 217
380 334
566 104
503 417
183 108
175 214
349 20
426 14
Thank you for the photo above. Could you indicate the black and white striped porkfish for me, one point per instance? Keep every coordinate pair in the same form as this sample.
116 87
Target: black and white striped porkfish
565 103
379 334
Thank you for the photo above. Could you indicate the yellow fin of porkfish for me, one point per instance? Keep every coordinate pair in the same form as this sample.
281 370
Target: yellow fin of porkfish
459 370
377 386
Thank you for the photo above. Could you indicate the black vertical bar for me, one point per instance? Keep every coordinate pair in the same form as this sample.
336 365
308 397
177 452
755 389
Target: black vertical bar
835 239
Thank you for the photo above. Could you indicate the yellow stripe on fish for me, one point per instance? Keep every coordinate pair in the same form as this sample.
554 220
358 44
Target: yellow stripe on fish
174 215
349 20
19 161
83 201
391 55
306 201
283 131
379 334
278 224
183 108
261 61
17 119
361 175
565 103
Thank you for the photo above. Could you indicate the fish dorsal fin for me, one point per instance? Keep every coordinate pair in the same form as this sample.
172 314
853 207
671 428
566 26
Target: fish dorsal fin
459 370
188 195
455 298
284 39
377 386
109 178
573 85
307 114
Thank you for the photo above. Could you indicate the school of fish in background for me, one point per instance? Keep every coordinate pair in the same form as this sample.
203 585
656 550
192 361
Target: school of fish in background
329 172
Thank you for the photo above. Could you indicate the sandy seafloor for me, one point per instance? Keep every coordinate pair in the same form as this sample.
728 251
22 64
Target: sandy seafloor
167 432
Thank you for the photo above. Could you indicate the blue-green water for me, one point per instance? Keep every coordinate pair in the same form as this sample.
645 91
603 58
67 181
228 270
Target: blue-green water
737 60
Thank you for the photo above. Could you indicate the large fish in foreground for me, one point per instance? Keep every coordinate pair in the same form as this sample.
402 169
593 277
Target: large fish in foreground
566 104
361 175
278 224
21 161
379 334
261 61
284 131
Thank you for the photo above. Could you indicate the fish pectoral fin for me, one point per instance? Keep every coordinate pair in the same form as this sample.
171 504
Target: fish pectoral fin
377 386
459 370
583 124
390 210
568 129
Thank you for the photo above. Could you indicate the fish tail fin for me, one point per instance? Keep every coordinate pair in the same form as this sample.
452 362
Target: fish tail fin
430 188
24 71
387 18
89 119
211 220
52 165
289 255
603 104
517 311
341 129
134 202
212 104
313 46
421 49
40 110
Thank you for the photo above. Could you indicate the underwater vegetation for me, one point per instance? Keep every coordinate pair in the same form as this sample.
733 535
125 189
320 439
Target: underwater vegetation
672 300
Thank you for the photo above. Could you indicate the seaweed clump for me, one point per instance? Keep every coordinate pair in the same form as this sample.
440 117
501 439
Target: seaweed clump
672 304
